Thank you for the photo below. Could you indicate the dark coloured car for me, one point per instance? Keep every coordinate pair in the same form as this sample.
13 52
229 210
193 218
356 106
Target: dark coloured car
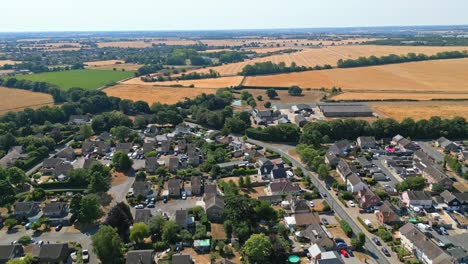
339 240
376 241
58 227
324 221
385 251
341 245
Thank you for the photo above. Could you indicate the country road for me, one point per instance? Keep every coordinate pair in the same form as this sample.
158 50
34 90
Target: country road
334 203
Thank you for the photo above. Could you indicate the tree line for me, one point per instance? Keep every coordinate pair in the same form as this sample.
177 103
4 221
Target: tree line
393 58
268 67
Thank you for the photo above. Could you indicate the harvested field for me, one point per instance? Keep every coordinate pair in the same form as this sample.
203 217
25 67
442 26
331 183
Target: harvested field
264 42
398 96
222 82
112 64
17 99
330 55
152 94
266 50
3 62
437 75
421 110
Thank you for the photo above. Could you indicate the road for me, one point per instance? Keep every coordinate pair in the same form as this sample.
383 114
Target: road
335 204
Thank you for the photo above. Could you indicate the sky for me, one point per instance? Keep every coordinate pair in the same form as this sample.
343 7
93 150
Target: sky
114 15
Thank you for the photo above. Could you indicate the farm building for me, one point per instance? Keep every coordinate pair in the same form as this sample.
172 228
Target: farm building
301 108
345 109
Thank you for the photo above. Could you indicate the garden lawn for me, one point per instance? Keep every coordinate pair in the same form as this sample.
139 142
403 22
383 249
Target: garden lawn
86 79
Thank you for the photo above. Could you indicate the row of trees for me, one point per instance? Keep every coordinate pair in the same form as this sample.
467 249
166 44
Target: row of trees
327 131
263 68
393 58
279 133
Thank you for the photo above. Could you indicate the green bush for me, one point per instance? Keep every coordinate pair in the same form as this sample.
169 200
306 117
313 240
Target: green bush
24 240
346 228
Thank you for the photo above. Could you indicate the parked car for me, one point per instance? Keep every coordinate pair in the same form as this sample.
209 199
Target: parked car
85 255
344 253
376 241
324 221
443 231
339 240
311 203
140 206
184 196
341 245
350 252
150 205
58 227
153 200
165 199
385 251
351 203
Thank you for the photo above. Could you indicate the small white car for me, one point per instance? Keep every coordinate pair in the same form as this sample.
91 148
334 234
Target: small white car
351 203
311 203
85 255
140 206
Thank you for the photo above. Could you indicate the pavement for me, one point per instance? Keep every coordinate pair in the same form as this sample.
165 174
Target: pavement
351 217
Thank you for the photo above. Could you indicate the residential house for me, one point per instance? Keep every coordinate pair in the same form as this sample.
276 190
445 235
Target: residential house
182 259
301 108
214 208
14 153
416 199
264 167
365 164
458 254
283 187
8 252
201 245
183 220
434 175
151 164
387 214
230 165
354 184
104 136
210 190
79 119
317 234
165 146
67 153
182 145
142 216
252 154
140 257
151 131
455 201
368 199
148 147
174 186
62 169
25 209
330 257
142 188
299 206
422 247
407 145
102 148
124 147
345 170
264 117
447 145
341 148
278 172
182 129
173 164
51 253
306 219
197 185
300 120
331 159
49 165
55 210
194 155
366 142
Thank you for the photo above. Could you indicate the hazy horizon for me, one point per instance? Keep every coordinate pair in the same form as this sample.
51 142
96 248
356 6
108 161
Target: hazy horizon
185 15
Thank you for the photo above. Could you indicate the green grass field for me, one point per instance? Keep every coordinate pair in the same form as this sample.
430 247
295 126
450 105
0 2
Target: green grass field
86 79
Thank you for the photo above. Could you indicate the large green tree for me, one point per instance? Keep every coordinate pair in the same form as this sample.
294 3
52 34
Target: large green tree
271 93
258 248
139 232
108 246
121 161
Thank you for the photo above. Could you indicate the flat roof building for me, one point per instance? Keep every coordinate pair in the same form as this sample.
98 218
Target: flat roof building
345 109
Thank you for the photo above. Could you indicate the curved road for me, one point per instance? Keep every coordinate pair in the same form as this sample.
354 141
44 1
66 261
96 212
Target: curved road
334 203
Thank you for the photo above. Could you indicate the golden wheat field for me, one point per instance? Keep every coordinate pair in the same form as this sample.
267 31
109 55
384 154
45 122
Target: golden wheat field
145 43
3 62
398 96
437 75
17 99
329 55
421 110
222 82
152 94
270 42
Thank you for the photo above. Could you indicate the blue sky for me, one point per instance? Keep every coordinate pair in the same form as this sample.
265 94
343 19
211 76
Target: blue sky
83 15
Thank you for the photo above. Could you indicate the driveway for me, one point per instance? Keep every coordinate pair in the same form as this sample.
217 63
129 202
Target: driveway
394 179
120 191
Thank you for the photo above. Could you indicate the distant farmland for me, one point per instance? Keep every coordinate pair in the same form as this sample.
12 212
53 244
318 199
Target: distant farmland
86 79
222 82
428 76
330 55
17 99
421 110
